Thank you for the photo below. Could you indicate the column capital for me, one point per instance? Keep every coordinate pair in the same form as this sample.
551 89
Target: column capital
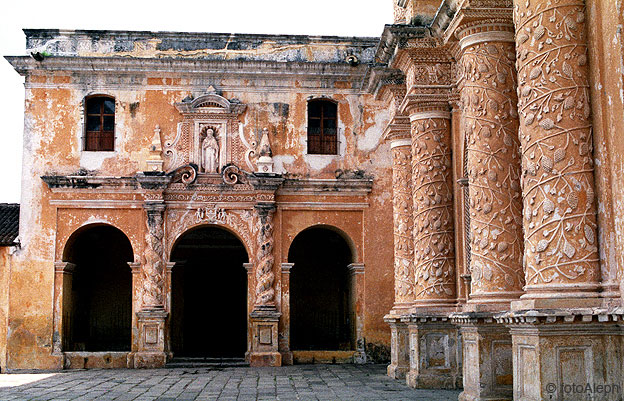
248 267
398 129
135 267
419 107
64 267
356 268
286 267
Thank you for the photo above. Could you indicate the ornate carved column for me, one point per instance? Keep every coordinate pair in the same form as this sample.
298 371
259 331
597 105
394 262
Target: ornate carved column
555 131
433 341
490 131
265 278
265 315
561 257
152 315
430 331
398 134
432 194
488 97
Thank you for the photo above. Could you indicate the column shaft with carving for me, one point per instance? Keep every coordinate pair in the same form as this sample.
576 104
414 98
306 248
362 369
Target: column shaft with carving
153 262
151 318
556 136
265 278
432 194
402 214
488 98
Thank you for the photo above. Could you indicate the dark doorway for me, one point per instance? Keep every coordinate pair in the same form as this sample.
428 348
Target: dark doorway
321 310
209 294
99 313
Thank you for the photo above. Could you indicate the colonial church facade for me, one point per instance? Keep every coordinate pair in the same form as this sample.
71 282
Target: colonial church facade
450 193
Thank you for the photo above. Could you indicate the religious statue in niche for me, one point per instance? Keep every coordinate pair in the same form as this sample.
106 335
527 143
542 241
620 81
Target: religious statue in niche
210 151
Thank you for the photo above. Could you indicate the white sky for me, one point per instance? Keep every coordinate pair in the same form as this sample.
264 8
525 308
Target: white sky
315 17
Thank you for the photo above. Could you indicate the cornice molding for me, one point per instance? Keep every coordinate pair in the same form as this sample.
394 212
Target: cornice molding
242 69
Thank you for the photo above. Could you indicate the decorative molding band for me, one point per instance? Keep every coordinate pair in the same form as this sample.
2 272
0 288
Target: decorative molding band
491 36
97 203
423 115
400 142
321 206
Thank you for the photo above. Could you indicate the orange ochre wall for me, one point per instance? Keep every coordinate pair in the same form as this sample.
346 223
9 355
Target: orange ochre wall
52 146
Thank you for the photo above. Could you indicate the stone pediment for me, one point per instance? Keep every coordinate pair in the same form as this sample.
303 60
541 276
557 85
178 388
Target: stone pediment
210 103
209 136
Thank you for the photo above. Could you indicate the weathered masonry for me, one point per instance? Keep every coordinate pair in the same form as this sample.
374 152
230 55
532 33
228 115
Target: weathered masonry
449 192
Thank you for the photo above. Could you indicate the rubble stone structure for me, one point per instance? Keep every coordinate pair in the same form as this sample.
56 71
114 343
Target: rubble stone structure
270 197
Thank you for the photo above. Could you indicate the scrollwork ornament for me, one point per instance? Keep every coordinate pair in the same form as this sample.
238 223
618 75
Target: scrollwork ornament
231 174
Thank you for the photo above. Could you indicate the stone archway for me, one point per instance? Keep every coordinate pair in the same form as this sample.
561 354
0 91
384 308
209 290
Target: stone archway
209 294
322 296
95 290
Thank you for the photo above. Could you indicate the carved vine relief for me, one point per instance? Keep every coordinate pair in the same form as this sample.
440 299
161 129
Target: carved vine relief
488 98
555 132
265 278
432 190
153 267
403 238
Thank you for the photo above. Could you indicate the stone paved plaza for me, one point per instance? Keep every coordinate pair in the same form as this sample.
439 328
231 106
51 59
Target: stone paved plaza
301 382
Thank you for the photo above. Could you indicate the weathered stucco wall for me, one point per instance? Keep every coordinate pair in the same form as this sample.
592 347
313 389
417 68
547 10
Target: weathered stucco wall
54 126
5 273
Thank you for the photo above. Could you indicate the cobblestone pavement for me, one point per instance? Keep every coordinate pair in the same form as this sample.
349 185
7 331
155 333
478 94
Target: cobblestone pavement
301 382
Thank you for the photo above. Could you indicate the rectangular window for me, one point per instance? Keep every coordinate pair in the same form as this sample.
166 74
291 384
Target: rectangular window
100 124
322 127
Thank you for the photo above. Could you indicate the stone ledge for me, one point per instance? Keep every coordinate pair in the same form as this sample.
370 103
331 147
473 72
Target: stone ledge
584 315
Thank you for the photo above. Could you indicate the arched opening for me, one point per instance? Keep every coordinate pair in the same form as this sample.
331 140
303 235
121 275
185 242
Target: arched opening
321 300
98 310
209 294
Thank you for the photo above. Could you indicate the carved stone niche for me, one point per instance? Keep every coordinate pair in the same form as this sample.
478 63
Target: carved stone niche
207 135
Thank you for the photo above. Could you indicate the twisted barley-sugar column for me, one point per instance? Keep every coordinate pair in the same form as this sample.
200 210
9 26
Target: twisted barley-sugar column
556 138
265 278
402 214
489 101
153 264
432 197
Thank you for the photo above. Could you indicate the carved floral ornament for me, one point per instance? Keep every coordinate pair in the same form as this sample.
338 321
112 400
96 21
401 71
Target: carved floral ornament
555 132
432 189
488 97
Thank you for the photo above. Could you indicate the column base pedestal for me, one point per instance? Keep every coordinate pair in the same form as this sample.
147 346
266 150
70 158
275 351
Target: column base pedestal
434 345
257 359
566 354
399 347
151 352
264 342
487 357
